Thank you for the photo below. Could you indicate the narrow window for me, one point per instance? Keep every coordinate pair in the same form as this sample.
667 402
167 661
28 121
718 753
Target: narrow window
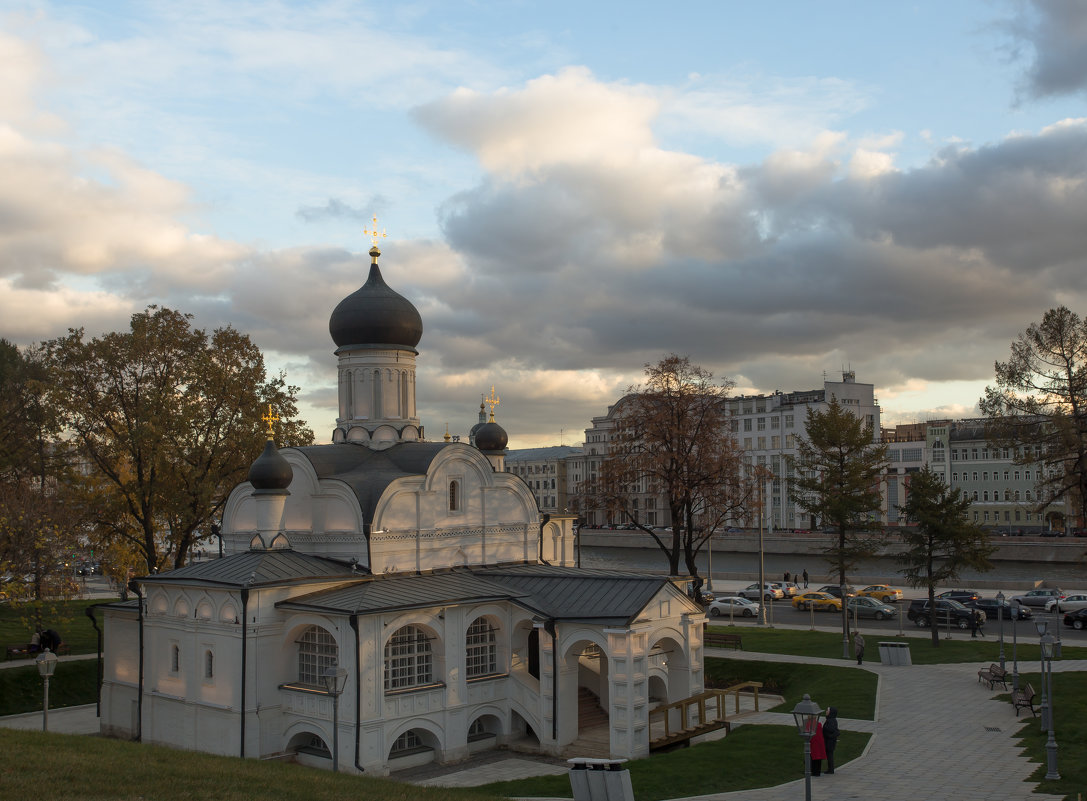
209 665
175 659
454 496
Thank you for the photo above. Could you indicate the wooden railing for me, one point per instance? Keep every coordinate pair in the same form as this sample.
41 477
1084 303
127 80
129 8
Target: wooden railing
699 714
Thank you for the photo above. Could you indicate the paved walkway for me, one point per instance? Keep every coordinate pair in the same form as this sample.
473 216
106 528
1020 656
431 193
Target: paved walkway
938 734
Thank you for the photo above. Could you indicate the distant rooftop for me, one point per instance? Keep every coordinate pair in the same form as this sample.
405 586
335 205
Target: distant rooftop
536 454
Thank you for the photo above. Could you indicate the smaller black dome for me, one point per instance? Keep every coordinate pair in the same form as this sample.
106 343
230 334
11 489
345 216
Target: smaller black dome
270 472
491 437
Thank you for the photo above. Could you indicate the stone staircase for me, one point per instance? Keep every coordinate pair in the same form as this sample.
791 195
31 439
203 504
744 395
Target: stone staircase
594 734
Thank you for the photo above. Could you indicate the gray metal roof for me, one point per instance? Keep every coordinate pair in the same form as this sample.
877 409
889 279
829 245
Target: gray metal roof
559 593
394 593
256 569
368 472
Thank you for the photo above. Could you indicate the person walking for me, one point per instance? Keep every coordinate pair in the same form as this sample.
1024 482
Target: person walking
858 647
974 623
786 575
818 750
805 578
830 736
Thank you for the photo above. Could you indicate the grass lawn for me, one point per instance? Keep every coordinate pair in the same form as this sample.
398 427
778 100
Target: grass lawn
749 757
68 618
73 684
829 645
78 768
1069 731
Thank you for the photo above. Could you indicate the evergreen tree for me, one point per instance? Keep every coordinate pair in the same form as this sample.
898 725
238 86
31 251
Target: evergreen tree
942 540
838 473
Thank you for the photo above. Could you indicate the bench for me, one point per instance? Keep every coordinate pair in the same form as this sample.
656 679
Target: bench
715 639
26 651
993 674
1024 697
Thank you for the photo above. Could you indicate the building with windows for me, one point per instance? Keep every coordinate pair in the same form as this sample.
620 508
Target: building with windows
425 571
546 471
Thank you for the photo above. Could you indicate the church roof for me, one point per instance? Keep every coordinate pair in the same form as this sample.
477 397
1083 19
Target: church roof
559 593
375 315
255 569
368 472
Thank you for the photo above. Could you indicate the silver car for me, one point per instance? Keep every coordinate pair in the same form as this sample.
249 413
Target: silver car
733 606
768 592
863 606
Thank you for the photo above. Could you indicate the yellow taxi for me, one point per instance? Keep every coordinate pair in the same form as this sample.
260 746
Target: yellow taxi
819 601
884 593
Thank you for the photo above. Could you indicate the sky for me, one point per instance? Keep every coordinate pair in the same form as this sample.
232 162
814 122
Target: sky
777 190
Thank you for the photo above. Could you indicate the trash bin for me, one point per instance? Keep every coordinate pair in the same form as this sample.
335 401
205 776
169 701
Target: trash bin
600 780
895 653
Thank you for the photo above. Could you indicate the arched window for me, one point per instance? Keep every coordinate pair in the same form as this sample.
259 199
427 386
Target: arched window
317 650
454 496
406 743
209 665
481 658
175 659
408 661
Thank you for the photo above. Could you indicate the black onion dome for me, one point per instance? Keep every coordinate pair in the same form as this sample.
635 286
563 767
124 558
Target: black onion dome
375 315
491 437
270 471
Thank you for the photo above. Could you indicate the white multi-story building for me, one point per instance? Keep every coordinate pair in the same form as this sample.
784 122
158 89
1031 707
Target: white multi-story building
545 471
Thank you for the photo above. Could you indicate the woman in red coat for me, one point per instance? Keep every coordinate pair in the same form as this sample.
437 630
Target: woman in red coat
818 751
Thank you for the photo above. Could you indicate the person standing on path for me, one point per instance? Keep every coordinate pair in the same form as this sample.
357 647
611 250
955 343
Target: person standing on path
786 575
818 750
974 623
858 647
805 578
830 736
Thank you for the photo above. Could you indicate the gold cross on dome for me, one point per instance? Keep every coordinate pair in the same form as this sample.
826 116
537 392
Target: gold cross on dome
493 401
373 233
269 419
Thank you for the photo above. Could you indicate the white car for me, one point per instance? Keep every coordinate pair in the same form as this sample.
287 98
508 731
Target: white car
768 592
733 606
1069 603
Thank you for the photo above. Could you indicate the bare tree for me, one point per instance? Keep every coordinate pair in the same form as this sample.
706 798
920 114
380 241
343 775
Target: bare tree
671 442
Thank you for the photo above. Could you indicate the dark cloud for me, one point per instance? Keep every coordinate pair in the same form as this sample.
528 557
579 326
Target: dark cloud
1055 32
336 209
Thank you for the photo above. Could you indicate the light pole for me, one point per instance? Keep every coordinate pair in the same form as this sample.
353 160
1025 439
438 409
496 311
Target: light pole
806 714
335 678
1048 644
1000 612
1015 648
1042 626
47 663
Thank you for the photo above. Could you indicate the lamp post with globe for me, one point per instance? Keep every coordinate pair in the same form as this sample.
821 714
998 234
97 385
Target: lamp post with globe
47 663
806 715
335 678
1000 613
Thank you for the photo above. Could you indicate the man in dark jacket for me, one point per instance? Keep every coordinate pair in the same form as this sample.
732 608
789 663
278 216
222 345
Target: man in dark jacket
830 736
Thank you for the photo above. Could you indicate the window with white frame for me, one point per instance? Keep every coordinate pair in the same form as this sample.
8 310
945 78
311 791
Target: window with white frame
407 742
209 664
317 651
481 650
408 660
454 496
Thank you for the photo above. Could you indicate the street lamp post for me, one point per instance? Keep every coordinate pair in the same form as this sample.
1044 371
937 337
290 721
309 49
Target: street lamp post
1042 626
1015 648
1000 612
47 663
806 714
1048 646
335 678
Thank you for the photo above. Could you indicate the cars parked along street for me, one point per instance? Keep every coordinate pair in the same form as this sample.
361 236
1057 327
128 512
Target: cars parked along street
1038 597
733 605
864 606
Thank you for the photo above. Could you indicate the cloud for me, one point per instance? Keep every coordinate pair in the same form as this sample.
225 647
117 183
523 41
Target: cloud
1055 33
336 209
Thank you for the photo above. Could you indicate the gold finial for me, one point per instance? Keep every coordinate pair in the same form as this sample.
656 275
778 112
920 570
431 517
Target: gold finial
447 437
269 419
493 401
373 233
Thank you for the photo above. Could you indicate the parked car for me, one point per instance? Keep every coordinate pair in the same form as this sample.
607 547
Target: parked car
946 610
882 592
1069 603
767 592
1077 619
866 606
819 601
994 611
836 591
734 606
962 596
1038 597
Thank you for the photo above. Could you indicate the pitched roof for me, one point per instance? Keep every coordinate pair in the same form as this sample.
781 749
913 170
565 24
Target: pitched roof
559 593
256 569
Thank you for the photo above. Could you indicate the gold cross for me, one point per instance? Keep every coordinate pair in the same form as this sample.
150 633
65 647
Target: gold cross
493 401
269 419
373 233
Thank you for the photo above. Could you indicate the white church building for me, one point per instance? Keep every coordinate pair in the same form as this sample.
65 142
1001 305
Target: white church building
420 571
